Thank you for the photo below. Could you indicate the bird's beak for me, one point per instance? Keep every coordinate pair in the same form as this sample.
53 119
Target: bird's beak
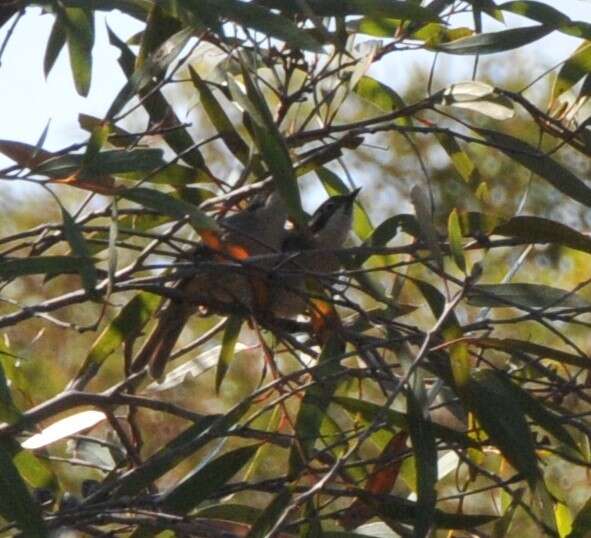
353 194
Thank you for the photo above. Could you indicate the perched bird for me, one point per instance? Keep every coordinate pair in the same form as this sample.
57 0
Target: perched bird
255 231
327 230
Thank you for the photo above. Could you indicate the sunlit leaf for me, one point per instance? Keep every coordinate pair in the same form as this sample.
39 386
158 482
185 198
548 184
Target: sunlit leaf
478 97
489 43
454 233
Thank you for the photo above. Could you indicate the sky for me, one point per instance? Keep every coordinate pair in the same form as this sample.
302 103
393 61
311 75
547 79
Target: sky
29 101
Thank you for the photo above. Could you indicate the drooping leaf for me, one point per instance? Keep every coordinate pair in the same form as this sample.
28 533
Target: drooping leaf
80 249
454 233
425 452
502 417
15 502
79 27
572 71
460 159
55 44
314 405
227 351
129 321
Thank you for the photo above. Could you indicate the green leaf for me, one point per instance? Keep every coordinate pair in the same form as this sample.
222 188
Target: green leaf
376 8
524 295
537 411
161 113
15 502
231 333
271 144
460 159
382 97
206 480
549 16
128 322
160 26
167 205
540 230
314 405
581 526
106 162
395 419
55 43
489 43
538 162
501 416
258 18
218 117
454 233
41 265
79 26
515 347
572 71
80 249
425 451
270 515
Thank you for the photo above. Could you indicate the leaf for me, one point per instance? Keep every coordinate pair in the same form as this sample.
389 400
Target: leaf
572 71
421 203
395 419
541 164
64 428
379 95
540 230
219 119
271 145
515 347
501 416
581 526
460 159
23 154
549 16
425 451
161 113
258 18
160 26
153 66
15 502
79 26
537 411
205 480
454 233
489 43
55 43
524 295
375 8
312 411
167 205
80 249
41 265
270 515
129 322
228 349
478 97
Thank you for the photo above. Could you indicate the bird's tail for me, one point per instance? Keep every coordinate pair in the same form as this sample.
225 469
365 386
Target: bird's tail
158 346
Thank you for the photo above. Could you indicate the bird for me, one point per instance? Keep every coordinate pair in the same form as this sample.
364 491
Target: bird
327 230
256 231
